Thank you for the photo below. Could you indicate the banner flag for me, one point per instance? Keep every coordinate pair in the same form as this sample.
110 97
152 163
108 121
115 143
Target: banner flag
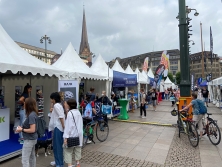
158 74
211 46
124 80
165 61
145 64
199 81
192 82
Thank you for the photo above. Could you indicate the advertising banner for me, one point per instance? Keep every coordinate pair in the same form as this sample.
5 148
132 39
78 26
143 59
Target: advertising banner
145 64
192 82
70 89
124 80
4 124
158 75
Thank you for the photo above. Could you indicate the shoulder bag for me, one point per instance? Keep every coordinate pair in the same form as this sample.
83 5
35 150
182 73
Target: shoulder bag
73 141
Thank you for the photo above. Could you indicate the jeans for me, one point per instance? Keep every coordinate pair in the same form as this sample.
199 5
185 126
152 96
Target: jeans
57 147
22 119
166 96
28 153
142 109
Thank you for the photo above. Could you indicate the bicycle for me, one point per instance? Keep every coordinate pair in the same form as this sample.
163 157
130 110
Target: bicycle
212 130
186 125
101 128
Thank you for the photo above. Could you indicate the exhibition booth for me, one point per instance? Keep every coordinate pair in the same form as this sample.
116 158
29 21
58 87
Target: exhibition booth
17 68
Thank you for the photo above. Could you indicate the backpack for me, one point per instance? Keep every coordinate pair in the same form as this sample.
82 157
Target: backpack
202 107
147 97
41 126
88 111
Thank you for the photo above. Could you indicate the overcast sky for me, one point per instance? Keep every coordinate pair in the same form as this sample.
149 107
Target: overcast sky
116 28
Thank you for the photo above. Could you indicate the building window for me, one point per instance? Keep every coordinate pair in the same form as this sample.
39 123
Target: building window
173 67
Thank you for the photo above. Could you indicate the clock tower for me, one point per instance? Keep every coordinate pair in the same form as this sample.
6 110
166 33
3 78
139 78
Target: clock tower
84 49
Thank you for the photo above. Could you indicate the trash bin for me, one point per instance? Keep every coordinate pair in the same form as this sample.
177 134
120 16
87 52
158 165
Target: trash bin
123 111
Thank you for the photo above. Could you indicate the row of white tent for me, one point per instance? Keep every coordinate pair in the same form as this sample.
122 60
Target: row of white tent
68 66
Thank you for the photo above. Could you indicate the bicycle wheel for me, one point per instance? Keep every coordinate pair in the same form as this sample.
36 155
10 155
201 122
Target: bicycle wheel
214 133
193 135
102 131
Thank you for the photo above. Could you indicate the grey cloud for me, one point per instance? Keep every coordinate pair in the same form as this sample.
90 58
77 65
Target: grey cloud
116 28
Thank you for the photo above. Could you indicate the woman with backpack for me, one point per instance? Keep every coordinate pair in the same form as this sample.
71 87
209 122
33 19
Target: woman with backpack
197 116
28 130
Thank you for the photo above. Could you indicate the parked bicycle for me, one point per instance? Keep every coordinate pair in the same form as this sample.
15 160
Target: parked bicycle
212 130
186 125
100 127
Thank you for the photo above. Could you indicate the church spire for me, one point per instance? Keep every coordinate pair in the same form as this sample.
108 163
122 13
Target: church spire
84 49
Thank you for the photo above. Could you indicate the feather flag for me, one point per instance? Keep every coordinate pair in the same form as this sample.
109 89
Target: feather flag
145 64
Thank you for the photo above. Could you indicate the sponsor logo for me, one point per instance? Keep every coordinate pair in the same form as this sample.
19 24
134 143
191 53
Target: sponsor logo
67 84
2 119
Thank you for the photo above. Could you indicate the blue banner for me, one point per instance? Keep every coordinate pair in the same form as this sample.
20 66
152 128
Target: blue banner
199 81
124 80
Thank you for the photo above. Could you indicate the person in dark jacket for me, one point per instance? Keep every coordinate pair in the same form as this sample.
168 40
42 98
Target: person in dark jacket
104 100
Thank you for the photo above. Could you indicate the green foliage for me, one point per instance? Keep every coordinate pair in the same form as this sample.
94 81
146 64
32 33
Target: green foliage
178 78
170 76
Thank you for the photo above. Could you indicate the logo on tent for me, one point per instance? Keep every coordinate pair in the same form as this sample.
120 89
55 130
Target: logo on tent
2 119
67 84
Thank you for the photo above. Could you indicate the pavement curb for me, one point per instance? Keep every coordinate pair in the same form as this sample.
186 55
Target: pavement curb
146 123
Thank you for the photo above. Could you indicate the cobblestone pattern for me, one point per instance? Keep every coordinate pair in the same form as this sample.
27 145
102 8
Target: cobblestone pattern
101 159
182 154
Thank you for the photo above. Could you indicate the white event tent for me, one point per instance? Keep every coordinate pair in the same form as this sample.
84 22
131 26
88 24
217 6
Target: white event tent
100 67
117 67
129 70
167 83
18 67
71 62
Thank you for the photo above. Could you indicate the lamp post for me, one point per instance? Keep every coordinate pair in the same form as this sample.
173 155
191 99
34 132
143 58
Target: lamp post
184 48
46 38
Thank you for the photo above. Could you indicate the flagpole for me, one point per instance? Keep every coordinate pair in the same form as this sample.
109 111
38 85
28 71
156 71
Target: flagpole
202 51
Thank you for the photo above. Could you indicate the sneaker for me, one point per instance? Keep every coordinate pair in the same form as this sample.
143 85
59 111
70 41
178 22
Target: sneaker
89 141
53 163
143 116
21 142
207 105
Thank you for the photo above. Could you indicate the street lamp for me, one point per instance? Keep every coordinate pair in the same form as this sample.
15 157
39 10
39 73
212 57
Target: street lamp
192 41
46 38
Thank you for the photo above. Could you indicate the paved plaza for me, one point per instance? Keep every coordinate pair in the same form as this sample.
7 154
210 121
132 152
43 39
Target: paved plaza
144 145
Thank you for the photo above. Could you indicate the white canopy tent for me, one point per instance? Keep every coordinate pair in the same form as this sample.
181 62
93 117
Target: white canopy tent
140 78
129 70
71 62
15 59
167 83
100 67
117 67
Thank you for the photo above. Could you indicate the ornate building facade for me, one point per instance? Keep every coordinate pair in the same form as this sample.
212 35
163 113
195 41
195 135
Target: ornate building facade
154 61
196 65
37 52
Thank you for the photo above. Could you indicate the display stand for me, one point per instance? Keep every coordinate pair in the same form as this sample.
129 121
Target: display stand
184 101
123 111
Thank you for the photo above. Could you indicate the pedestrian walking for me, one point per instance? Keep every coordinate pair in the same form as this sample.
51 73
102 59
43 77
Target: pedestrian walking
73 128
205 94
142 103
172 97
25 94
154 96
57 125
199 94
28 130
166 94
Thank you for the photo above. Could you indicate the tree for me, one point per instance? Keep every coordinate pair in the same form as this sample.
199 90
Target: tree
170 76
178 77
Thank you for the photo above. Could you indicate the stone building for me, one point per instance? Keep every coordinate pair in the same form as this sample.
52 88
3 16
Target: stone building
196 65
154 61
37 52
